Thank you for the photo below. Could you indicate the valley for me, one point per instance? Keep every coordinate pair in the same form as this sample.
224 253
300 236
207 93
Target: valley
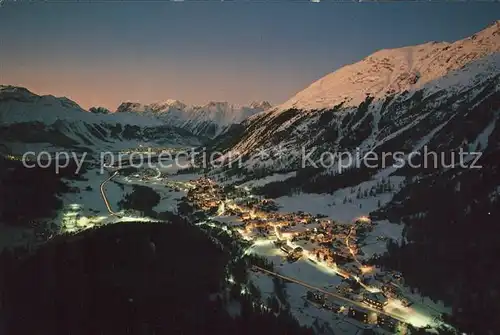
299 246
367 203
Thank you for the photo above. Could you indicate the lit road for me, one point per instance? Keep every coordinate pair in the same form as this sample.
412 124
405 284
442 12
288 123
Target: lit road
103 194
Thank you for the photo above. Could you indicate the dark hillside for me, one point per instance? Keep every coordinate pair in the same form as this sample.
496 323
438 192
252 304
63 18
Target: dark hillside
128 278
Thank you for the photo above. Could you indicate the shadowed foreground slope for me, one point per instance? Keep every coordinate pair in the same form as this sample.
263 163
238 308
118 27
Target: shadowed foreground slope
126 279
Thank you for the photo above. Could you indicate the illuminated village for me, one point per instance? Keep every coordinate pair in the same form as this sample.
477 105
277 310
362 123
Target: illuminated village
332 259
367 295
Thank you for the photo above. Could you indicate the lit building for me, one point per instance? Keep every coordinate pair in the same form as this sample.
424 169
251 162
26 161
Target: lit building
279 243
286 248
245 216
388 323
297 252
316 297
353 268
363 220
344 288
359 314
376 300
390 290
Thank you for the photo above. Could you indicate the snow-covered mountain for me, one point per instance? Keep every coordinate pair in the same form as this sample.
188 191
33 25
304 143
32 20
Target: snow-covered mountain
48 121
31 121
391 71
99 110
401 98
209 120
428 117
420 110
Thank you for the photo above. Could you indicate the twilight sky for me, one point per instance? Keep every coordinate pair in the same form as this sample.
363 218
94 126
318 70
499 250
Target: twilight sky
103 53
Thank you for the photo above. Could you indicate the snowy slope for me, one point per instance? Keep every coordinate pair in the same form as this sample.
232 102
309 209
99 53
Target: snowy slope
395 70
436 97
453 109
20 105
99 110
395 99
209 120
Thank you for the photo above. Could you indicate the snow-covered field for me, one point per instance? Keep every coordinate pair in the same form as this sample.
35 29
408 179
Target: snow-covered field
303 270
333 205
344 206
86 208
372 245
314 274
229 220
169 201
305 312
268 179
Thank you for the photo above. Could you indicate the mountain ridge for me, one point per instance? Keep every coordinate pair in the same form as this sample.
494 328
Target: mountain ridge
445 102
366 117
160 105
55 123
209 120
395 70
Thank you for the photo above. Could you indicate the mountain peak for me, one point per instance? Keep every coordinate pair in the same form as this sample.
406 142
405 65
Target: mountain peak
22 94
8 92
264 105
166 105
390 71
493 28
216 103
11 88
209 119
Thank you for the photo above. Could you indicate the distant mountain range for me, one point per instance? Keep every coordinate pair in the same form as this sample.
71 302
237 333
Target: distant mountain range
32 122
209 120
49 122
401 98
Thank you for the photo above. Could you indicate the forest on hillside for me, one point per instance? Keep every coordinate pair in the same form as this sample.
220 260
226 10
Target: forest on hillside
29 195
452 248
129 278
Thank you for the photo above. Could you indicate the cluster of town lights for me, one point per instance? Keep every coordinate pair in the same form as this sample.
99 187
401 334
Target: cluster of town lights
226 204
